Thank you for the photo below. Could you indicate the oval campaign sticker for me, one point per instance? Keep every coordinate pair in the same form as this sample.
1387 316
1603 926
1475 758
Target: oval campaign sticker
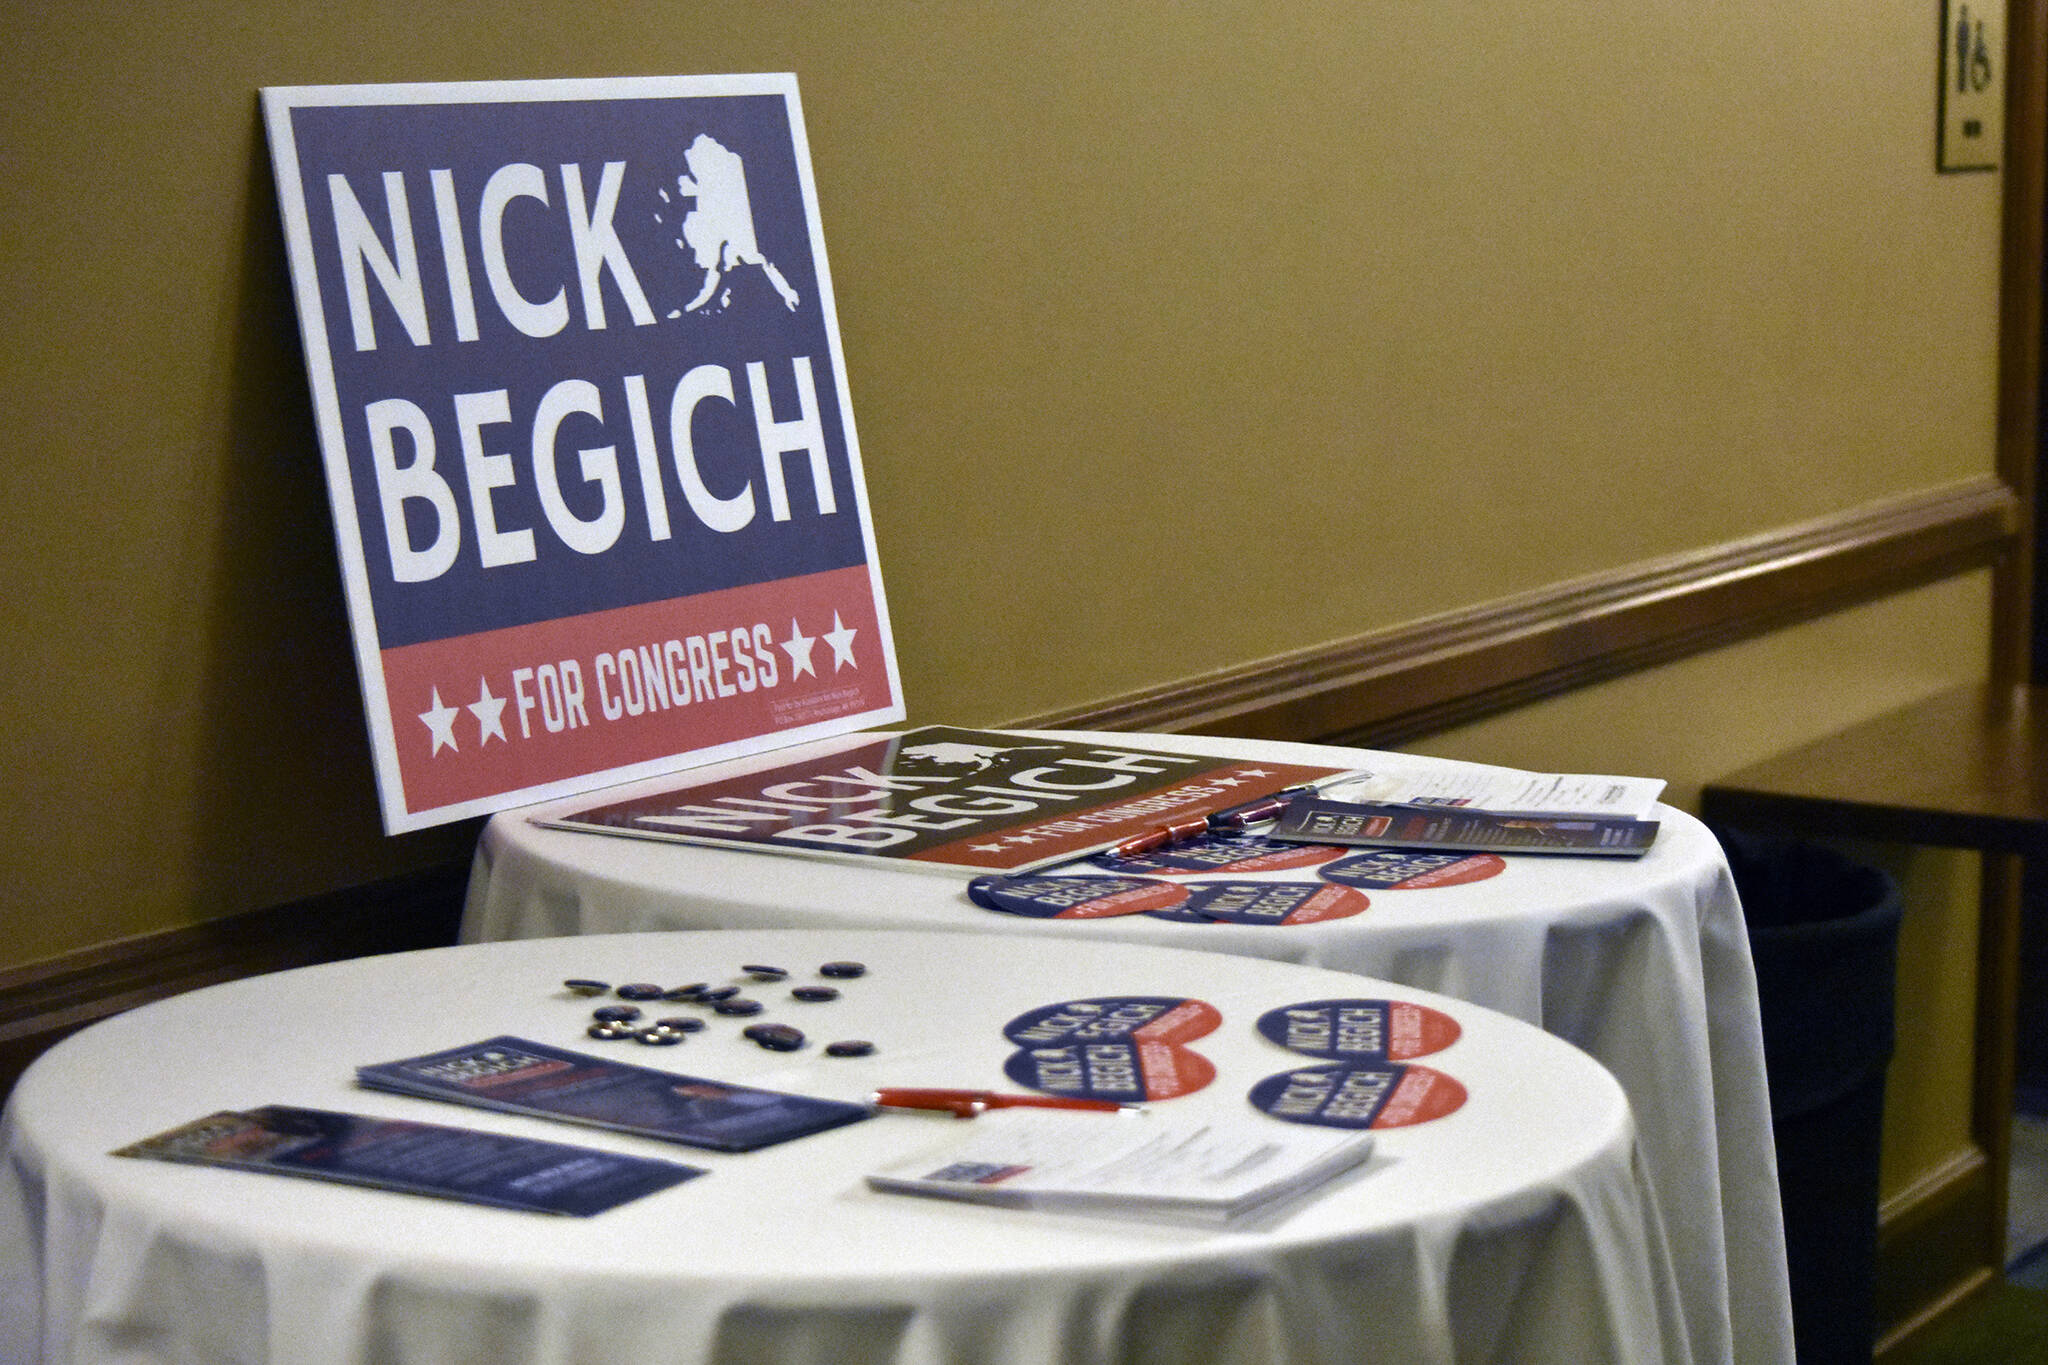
1147 1018
1359 1095
1127 1070
1126 1048
1360 1030
1278 903
1074 897
1397 869
1235 853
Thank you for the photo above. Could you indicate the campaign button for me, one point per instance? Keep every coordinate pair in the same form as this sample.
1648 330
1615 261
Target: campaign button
683 995
639 990
615 1014
1360 1030
738 1005
583 985
761 973
849 1047
1274 903
1074 897
774 1037
814 994
843 970
610 1030
681 1023
711 995
1400 869
1359 1095
658 1036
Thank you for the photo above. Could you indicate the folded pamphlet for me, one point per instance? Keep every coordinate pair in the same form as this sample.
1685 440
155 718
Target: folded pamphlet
1457 830
493 1169
518 1076
1502 791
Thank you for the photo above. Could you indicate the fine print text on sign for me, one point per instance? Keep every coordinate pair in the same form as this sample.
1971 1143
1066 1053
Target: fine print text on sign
584 416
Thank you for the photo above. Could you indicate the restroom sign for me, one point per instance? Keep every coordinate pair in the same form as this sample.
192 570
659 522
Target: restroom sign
1972 99
584 419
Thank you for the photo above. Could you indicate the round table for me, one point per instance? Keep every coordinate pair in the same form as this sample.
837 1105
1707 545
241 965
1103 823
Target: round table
1644 963
1515 1228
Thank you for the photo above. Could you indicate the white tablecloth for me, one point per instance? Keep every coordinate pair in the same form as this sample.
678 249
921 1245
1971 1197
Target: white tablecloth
1643 963
1516 1229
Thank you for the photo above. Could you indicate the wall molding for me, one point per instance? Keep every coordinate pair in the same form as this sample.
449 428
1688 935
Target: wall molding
1388 686
1376 690
43 1002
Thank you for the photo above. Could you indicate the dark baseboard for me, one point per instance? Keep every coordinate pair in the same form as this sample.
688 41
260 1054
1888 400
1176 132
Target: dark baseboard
43 1002
1932 1251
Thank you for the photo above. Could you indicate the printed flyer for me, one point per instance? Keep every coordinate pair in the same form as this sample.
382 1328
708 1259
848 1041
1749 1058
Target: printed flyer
462 1164
583 411
1442 827
519 1076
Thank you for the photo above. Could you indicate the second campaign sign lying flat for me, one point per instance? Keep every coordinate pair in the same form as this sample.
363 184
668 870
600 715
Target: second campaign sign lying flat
584 415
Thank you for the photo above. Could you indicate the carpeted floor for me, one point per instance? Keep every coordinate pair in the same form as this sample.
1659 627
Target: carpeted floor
2009 1325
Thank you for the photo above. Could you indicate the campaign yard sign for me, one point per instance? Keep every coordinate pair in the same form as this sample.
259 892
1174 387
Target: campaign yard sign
584 417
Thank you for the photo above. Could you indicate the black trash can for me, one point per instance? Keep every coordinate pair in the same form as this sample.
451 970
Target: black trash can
1823 929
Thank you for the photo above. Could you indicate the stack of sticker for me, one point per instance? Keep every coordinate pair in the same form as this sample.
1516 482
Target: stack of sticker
1215 902
1212 883
1123 1048
1133 1048
1370 1080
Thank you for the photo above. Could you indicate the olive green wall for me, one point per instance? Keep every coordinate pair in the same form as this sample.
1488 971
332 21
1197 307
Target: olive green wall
1179 336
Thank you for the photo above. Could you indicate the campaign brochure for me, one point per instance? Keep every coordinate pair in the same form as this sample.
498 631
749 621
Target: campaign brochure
1504 791
473 1167
948 800
581 401
518 1076
1129 1164
1425 827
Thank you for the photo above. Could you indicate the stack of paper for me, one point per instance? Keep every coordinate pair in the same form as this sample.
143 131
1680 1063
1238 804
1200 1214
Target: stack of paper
1130 1163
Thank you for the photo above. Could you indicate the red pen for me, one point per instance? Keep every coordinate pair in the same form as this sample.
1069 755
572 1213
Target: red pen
1160 836
967 1103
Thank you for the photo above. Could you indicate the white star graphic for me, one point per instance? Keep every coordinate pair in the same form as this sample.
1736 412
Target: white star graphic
441 720
798 647
489 712
840 637
986 848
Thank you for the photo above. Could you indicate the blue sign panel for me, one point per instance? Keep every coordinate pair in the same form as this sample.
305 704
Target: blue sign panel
584 416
